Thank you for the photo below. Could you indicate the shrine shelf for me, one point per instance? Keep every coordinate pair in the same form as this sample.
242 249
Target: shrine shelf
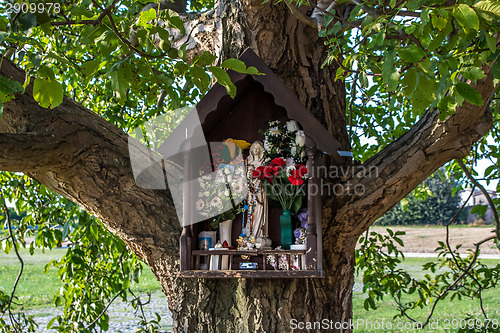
259 99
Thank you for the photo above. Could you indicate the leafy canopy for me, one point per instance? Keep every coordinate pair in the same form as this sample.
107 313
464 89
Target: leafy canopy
398 59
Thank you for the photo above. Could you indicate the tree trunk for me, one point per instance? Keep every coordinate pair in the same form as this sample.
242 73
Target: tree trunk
79 155
295 53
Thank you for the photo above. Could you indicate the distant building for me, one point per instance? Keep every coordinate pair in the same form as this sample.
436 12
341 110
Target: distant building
478 198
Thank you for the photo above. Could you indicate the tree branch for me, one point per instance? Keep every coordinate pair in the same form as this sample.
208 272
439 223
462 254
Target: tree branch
301 16
129 45
105 309
97 21
486 194
408 161
27 152
14 242
89 163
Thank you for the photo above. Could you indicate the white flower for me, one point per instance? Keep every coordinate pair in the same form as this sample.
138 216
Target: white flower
206 193
290 161
303 154
200 204
267 145
293 150
292 126
289 168
300 138
216 202
274 131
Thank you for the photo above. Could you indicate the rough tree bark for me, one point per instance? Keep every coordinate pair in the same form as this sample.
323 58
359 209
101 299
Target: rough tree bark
77 154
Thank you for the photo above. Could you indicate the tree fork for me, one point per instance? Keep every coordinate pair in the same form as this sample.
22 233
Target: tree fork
98 176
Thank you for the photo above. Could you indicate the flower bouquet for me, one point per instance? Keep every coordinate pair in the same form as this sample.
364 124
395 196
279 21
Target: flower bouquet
285 141
284 175
301 231
283 182
221 193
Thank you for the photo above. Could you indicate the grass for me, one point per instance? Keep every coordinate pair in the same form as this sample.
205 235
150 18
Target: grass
37 289
444 314
434 226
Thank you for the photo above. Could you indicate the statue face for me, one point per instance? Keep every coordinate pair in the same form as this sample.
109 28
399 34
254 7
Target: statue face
257 149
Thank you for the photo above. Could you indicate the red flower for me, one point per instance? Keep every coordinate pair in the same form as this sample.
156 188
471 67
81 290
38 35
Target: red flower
276 170
295 181
259 172
268 171
302 170
278 161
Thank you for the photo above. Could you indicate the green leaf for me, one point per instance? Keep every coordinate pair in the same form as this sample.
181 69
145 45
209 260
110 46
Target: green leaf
164 80
163 33
409 81
489 170
45 72
438 22
224 80
119 85
495 69
297 203
466 17
207 58
473 73
240 67
491 41
146 16
404 204
1 109
390 74
469 93
488 6
425 93
91 66
477 209
51 322
8 88
411 54
200 78
65 229
8 246
173 20
447 103
48 92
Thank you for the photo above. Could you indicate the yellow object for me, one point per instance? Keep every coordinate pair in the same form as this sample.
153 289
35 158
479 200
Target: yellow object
240 143
231 145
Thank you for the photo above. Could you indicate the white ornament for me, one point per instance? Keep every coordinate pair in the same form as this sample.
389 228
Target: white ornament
300 138
292 126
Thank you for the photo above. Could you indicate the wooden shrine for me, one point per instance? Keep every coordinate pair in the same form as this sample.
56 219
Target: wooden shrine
259 99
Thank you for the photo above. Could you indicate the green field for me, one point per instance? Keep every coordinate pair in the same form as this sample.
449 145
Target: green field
446 310
37 289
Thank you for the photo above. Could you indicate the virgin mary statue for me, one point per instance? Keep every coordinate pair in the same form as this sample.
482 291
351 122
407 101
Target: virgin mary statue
257 212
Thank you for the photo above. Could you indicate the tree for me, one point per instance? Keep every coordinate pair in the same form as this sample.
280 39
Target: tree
432 74
432 203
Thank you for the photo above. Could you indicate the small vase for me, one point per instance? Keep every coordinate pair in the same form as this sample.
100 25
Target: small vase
225 229
286 229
